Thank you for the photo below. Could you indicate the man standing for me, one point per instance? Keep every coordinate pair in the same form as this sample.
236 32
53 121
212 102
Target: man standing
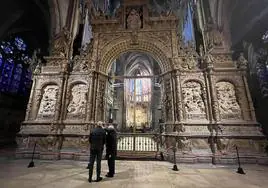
111 149
97 141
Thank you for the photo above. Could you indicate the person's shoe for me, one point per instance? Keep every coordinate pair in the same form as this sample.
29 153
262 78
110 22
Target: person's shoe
99 179
89 180
109 175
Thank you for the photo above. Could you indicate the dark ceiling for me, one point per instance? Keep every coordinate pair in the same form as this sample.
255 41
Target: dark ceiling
28 19
248 21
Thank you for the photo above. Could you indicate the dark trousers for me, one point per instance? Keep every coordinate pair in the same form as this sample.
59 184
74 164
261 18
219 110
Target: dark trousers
111 164
95 153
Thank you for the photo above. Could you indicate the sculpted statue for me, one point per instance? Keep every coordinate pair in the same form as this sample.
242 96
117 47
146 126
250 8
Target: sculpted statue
78 101
134 19
215 36
61 43
189 63
49 99
241 61
186 144
223 145
228 105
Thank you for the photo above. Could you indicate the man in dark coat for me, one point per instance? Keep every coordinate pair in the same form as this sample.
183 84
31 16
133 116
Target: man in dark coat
111 149
97 141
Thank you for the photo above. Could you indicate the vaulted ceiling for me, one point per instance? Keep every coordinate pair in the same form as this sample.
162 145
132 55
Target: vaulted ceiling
38 19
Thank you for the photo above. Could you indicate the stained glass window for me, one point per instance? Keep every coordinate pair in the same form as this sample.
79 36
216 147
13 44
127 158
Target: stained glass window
142 89
15 76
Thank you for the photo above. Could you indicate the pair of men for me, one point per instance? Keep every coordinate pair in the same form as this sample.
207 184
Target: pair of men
97 138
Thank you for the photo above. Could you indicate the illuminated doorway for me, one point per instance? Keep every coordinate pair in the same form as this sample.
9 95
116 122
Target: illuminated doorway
134 92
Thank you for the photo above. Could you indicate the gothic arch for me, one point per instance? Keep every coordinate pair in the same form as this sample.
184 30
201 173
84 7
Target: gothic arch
115 49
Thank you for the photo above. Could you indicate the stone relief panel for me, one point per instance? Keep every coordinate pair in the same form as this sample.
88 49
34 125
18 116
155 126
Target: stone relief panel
77 104
227 100
48 102
193 100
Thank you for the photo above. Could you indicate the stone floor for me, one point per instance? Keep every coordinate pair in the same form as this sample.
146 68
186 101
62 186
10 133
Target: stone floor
136 174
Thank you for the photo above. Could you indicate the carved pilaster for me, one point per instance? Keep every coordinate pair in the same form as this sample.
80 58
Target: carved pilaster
250 103
36 103
29 109
178 96
89 107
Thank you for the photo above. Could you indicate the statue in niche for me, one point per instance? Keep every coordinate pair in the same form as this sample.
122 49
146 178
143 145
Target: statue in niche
61 43
190 63
81 66
134 19
228 105
78 101
192 98
49 99
215 36
241 61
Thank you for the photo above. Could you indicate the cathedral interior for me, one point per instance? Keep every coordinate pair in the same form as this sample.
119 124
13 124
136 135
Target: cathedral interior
189 76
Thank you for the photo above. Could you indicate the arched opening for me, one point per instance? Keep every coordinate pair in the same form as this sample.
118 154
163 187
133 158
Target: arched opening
133 92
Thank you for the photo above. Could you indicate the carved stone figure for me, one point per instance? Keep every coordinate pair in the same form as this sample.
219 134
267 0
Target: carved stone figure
185 145
78 102
48 101
193 101
61 43
228 105
223 145
81 66
215 36
242 62
134 19
189 63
